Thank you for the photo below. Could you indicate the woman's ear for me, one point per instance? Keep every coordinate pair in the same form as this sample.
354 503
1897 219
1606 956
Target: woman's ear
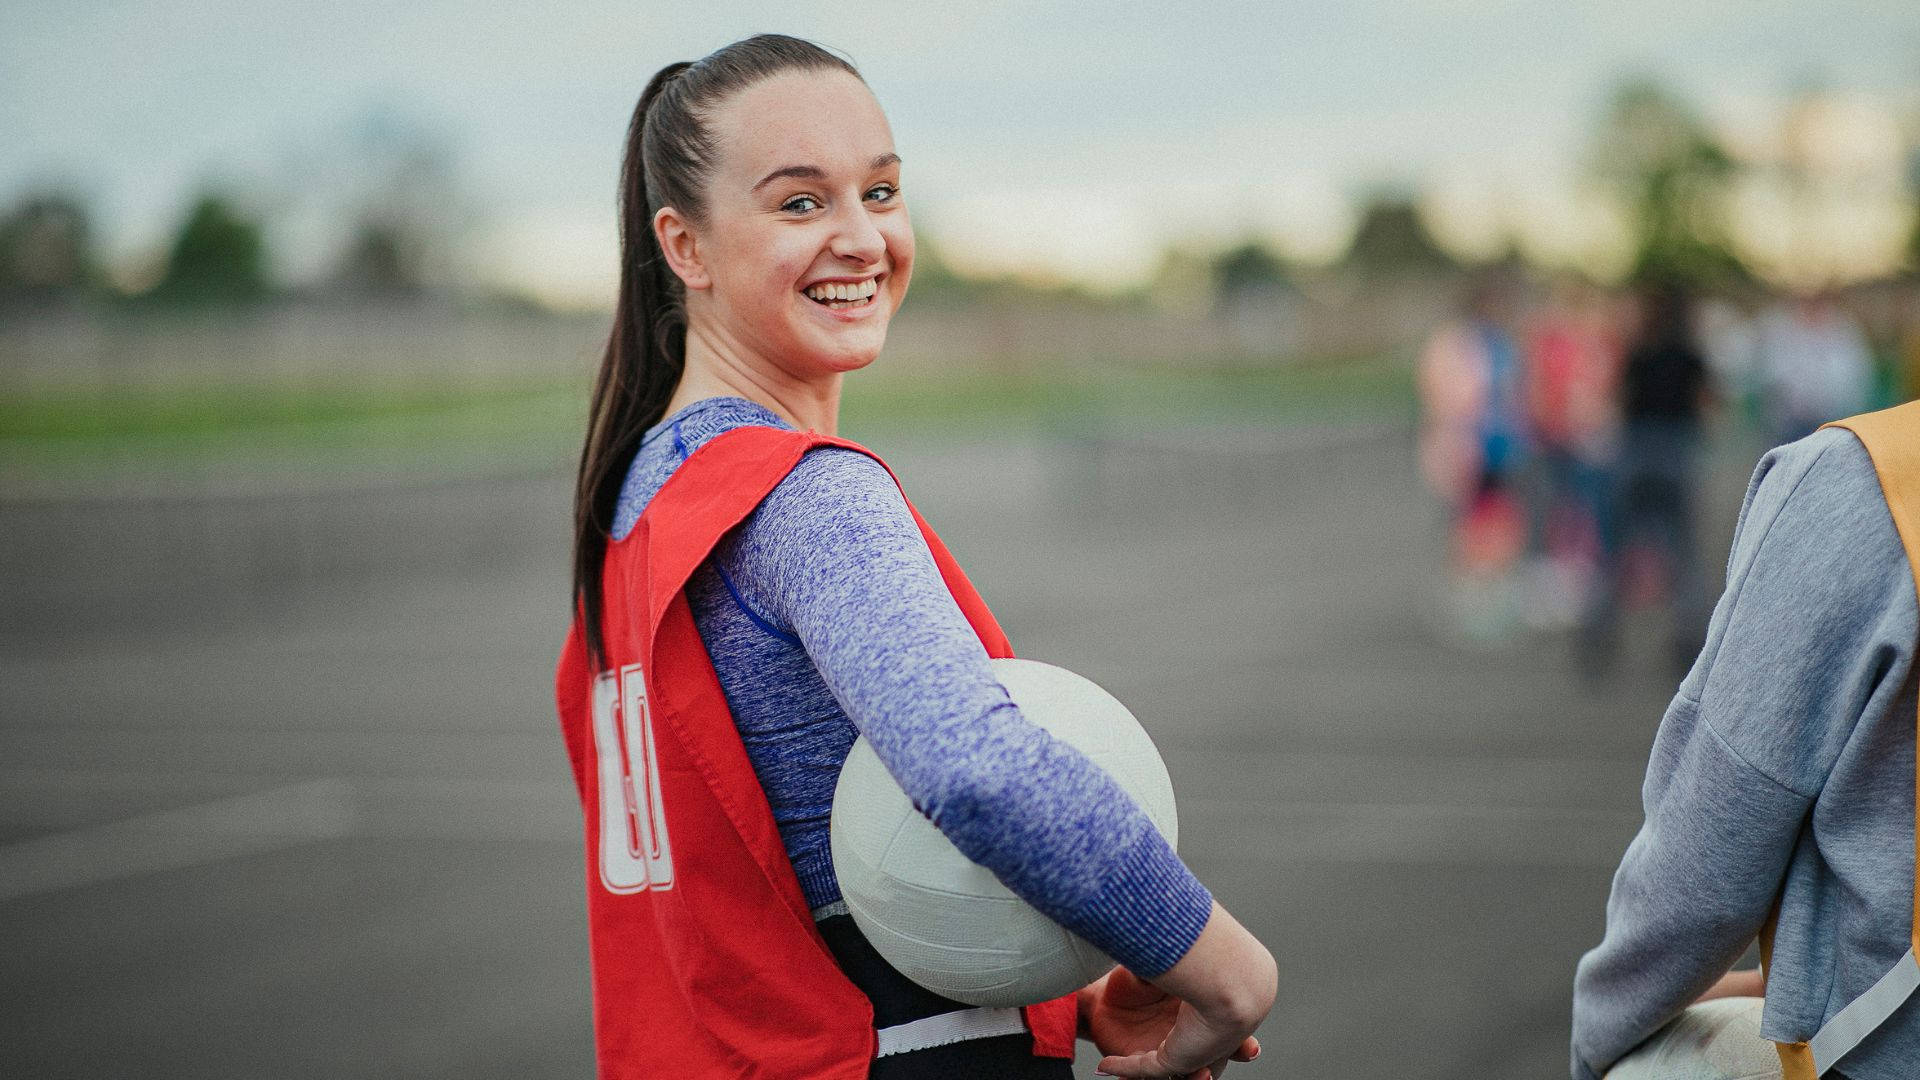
681 248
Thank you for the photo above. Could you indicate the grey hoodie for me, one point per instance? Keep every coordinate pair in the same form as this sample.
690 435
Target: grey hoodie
1783 768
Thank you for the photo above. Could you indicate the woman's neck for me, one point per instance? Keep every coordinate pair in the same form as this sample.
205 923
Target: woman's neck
714 370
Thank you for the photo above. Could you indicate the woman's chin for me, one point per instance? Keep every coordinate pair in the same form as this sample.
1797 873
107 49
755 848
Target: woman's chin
843 363
849 351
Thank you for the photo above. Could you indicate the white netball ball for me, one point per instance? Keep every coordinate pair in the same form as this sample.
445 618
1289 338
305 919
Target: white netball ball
946 922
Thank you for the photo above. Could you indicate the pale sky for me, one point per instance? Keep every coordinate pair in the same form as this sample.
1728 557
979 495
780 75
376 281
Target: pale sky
1076 139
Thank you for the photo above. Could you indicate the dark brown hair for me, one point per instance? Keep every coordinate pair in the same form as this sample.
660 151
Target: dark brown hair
670 152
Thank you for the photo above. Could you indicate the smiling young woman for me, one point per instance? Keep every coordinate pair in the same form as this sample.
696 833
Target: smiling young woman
751 594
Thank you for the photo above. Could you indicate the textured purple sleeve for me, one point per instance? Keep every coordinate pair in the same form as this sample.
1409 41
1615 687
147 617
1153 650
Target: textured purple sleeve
834 558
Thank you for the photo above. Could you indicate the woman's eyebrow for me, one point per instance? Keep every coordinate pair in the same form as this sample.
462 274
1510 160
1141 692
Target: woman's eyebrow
814 172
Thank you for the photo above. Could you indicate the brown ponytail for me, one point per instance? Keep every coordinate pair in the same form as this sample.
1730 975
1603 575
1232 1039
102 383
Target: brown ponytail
668 156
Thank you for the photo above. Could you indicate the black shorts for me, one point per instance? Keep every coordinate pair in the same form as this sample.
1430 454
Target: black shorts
899 1000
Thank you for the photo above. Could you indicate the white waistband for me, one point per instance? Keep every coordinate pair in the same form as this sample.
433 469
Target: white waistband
947 1028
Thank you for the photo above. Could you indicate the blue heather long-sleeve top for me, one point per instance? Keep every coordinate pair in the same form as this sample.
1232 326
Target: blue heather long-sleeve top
826 619
1783 768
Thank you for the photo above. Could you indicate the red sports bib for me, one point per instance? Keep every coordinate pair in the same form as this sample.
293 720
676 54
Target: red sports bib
706 961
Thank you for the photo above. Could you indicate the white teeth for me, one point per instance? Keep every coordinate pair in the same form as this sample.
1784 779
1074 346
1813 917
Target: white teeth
834 290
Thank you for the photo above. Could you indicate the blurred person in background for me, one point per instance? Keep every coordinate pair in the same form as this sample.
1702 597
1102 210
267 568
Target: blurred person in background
1780 797
765 245
1572 376
1664 391
1728 331
1472 446
1814 364
1906 381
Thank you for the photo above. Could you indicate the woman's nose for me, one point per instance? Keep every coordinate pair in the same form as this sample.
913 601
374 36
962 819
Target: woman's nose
858 239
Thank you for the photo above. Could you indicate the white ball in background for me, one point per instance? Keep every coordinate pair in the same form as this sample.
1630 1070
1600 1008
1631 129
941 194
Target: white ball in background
946 922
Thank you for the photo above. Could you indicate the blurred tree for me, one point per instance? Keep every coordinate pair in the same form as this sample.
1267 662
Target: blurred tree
1913 237
219 257
394 177
1248 267
1674 178
1392 240
1256 299
1913 185
384 257
46 248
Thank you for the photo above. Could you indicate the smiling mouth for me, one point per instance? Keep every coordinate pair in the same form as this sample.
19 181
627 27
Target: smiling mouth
840 296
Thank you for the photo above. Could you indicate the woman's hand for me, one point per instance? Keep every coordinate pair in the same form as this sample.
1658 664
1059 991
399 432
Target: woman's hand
1123 1015
1204 1009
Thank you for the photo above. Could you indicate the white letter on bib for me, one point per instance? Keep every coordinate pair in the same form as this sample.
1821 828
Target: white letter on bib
634 852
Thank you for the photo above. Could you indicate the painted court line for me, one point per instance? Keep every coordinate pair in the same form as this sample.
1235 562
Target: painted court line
379 808
1409 834
173 839
1475 830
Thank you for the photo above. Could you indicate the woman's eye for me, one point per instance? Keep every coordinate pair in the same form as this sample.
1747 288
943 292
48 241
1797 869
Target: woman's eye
800 204
887 193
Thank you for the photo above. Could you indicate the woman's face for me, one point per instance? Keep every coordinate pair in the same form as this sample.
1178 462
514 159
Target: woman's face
803 206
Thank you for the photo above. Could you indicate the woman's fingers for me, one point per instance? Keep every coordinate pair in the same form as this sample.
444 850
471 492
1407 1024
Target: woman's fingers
1144 1065
1153 1065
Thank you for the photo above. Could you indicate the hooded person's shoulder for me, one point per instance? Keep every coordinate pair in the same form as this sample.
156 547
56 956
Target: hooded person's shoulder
1822 489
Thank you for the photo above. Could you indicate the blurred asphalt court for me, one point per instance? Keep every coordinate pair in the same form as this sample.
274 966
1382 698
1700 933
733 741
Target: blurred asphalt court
329 830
